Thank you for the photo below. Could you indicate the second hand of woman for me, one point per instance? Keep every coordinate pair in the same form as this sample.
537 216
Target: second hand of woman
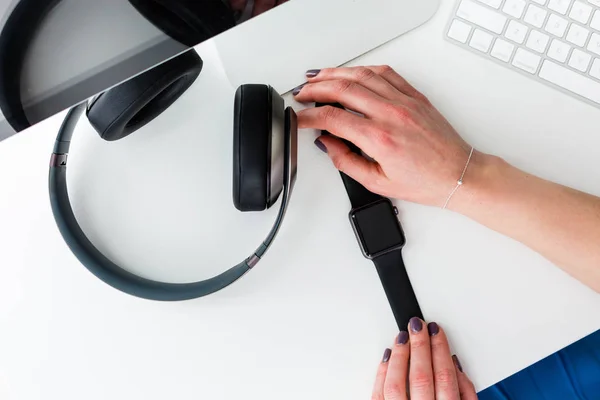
419 363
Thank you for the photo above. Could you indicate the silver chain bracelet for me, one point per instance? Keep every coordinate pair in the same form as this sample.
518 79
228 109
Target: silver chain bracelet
460 181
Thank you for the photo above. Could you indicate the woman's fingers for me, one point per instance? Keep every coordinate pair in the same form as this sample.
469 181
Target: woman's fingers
381 374
367 77
340 123
444 371
422 356
421 372
395 386
354 165
465 386
350 94
381 79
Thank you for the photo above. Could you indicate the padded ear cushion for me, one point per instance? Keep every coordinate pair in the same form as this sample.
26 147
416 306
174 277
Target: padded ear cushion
124 109
190 22
251 147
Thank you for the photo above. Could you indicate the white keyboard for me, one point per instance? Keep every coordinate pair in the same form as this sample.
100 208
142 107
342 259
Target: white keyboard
554 41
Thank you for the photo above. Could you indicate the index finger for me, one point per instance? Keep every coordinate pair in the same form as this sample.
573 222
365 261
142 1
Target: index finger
349 94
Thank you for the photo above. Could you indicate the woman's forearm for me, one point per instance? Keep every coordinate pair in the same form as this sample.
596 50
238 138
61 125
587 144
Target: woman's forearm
560 223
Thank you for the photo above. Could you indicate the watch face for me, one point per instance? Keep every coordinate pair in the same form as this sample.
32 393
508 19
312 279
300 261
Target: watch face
377 228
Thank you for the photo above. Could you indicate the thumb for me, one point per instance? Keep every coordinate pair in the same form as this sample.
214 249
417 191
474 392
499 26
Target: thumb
365 172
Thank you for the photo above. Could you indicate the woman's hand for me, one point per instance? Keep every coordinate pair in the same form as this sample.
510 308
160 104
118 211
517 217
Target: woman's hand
418 155
420 363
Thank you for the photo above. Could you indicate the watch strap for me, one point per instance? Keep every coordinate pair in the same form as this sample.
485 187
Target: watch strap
359 196
398 289
390 266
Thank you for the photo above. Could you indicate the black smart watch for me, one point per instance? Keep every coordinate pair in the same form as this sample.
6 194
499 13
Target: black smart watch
374 220
377 228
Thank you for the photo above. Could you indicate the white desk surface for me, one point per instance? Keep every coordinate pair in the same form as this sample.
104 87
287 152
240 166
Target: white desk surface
311 321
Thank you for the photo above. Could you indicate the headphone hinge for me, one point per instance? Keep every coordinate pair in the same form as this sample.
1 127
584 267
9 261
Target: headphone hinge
58 160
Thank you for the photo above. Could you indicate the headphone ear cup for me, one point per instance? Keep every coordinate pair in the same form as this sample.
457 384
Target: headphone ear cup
258 141
126 108
190 22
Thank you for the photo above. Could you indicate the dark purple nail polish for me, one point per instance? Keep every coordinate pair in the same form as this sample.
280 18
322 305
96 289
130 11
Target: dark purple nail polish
402 337
386 355
416 325
297 90
311 73
433 329
457 362
320 145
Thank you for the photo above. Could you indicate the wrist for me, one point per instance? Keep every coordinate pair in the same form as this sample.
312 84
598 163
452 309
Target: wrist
484 172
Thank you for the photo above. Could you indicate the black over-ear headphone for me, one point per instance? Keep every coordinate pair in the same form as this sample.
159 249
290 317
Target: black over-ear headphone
265 132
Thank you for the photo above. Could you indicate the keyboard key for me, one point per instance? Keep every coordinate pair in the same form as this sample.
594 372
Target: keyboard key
492 3
577 35
581 12
543 2
559 51
570 80
481 40
595 71
459 31
535 16
482 16
596 21
538 41
594 44
527 61
557 25
595 2
502 50
514 8
580 60
560 6
516 32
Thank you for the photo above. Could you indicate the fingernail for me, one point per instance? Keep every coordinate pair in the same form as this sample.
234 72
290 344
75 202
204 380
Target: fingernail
416 325
386 355
457 362
320 145
402 337
297 90
433 329
311 73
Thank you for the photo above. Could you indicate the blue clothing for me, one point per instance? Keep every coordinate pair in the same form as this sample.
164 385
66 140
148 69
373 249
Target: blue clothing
572 373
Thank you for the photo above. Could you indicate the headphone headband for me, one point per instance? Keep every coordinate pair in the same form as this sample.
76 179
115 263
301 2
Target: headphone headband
118 277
